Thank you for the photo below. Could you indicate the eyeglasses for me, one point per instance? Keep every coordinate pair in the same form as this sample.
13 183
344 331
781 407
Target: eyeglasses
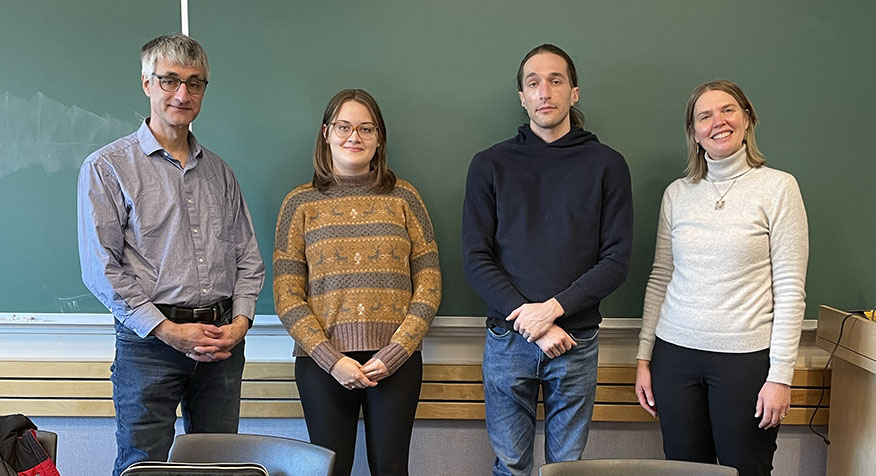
343 129
194 86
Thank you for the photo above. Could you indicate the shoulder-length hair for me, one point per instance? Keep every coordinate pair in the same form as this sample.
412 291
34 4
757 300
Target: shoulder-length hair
323 173
696 156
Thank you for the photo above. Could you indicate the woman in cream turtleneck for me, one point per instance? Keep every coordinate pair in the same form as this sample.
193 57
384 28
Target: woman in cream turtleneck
724 303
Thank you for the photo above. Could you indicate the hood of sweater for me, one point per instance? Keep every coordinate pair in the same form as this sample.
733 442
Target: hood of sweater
727 168
573 138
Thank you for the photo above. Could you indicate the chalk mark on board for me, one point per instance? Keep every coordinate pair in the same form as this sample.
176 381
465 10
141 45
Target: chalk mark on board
44 132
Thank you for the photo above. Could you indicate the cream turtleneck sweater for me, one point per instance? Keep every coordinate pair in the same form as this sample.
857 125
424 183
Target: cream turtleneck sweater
730 279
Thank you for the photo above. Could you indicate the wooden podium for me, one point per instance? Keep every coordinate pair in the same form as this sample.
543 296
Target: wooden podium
852 426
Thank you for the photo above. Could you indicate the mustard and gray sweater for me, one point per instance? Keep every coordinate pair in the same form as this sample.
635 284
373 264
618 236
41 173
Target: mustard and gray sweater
355 270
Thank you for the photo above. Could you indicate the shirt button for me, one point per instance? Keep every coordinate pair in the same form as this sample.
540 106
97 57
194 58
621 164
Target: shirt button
200 260
204 291
189 200
195 230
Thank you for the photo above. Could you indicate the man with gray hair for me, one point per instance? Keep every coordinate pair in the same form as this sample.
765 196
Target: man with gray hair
166 243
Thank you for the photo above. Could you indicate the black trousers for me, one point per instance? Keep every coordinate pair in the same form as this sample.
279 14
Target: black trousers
331 413
706 403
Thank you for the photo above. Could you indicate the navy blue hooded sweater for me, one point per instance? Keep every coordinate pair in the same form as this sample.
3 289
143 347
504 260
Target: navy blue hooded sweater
547 220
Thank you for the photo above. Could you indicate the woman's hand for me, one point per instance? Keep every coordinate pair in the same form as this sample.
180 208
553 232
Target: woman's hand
643 387
773 403
349 373
375 369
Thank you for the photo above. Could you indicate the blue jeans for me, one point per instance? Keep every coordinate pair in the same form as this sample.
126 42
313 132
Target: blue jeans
150 379
513 372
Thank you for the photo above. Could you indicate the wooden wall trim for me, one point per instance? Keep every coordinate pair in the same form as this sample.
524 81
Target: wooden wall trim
451 392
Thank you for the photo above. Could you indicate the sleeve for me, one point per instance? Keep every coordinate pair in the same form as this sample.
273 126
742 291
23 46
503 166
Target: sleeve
290 286
658 281
426 285
102 213
250 267
789 256
479 224
615 243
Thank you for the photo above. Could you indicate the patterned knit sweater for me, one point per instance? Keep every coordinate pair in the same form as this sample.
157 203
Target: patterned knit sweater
356 271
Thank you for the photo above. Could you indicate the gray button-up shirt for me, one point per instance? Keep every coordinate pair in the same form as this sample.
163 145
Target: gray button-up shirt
152 232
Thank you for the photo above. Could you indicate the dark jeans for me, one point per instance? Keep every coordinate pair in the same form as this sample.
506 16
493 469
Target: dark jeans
331 413
706 402
151 378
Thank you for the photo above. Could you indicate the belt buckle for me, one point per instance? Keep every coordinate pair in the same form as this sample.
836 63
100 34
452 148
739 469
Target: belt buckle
208 311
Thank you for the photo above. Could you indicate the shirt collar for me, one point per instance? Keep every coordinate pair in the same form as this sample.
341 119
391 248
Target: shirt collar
149 144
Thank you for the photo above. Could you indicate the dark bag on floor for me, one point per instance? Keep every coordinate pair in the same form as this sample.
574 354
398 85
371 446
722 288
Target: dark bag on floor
160 468
20 451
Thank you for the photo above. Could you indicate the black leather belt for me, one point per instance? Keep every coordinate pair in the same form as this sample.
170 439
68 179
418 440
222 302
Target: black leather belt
205 315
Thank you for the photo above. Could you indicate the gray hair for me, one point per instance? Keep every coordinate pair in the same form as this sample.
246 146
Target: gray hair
176 49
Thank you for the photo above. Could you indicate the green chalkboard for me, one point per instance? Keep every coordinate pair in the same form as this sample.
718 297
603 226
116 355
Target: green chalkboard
69 83
443 73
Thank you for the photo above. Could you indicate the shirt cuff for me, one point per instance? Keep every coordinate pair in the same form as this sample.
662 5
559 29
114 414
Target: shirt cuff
144 319
242 306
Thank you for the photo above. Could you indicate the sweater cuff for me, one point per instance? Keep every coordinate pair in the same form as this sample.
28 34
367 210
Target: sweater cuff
392 356
781 374
326 356
646 349
566 299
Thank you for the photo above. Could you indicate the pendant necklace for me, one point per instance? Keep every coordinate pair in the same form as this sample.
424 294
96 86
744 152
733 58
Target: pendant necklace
719 203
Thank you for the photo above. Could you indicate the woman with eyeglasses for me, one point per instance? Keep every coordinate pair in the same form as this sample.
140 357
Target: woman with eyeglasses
725 300
356 283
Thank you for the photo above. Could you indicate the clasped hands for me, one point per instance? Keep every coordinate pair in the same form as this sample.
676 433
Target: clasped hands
352 375
203 342
535 322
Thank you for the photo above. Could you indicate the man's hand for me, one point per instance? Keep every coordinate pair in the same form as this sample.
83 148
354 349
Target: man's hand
202 342
232 333
555 342
533 320
349 373
773 403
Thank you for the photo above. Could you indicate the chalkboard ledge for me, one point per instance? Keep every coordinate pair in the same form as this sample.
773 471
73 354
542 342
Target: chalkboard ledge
451 339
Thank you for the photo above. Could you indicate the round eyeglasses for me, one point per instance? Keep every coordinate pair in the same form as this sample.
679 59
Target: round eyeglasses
171 84
343 129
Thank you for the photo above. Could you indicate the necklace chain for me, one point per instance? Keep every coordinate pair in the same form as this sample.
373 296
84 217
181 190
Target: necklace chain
719 203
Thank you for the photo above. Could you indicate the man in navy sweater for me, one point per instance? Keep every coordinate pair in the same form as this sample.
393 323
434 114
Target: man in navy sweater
547 233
